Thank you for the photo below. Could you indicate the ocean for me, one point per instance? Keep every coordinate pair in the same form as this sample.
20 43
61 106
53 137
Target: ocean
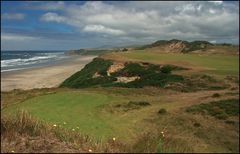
18 60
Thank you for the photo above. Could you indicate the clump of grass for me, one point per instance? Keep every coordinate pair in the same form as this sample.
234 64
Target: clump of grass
230 122
140 103
219 109
216 95
131 105
167 69
196 124
21 123
162 111
37 136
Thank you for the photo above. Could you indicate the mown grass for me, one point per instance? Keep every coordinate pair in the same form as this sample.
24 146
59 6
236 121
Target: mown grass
217 64
79 110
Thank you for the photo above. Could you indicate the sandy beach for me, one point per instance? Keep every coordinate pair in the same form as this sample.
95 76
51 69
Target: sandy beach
43 77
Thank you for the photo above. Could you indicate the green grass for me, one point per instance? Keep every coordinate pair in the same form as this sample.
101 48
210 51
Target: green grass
219 64
77 109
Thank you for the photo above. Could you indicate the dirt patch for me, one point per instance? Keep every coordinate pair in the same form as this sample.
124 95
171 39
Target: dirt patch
178 47
116 66
127 79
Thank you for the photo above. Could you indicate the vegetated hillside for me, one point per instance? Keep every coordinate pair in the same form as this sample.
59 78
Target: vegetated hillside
88 51
175 45
107 73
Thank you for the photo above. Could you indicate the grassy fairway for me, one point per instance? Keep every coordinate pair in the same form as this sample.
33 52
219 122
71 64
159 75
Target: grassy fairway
87 112
77 109
219 64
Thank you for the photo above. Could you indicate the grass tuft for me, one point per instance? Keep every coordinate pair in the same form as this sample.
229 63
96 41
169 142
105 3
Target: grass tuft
162 111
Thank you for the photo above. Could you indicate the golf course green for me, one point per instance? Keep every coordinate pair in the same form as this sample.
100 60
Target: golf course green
78 111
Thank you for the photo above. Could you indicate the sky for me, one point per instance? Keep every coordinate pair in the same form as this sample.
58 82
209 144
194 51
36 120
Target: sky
66 25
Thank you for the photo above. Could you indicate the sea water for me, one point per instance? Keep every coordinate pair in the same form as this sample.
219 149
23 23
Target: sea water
18 60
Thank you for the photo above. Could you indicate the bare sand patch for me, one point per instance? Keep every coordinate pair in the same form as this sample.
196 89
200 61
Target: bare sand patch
44 77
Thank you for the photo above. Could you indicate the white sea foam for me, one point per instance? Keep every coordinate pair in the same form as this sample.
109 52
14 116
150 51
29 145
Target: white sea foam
21 63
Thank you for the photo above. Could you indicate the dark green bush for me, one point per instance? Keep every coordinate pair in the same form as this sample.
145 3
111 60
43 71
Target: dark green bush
84 78
230 122
141 103
222 116
216 95
131 69
150 75
162 111
166 69
132 105
196 124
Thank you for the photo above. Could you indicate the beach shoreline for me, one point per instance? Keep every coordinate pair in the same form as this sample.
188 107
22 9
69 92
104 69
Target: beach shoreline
48 76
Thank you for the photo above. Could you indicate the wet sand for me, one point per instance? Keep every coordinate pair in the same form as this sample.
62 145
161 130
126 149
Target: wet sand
43 77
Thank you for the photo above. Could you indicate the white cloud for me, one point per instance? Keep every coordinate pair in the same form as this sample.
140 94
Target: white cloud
95 23
15 37
102 29
213 41
13 16
153 20
52 17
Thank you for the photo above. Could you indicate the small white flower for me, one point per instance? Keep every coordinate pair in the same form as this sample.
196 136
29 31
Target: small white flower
73 129
114 139
55 125
12 151
162 132
89 150
64 123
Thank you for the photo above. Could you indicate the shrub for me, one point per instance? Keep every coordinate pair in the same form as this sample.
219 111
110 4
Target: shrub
162 111
150 75
166 69
125 49
216 95
131 105
222 115
84 78
196 124
230 122
141 103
